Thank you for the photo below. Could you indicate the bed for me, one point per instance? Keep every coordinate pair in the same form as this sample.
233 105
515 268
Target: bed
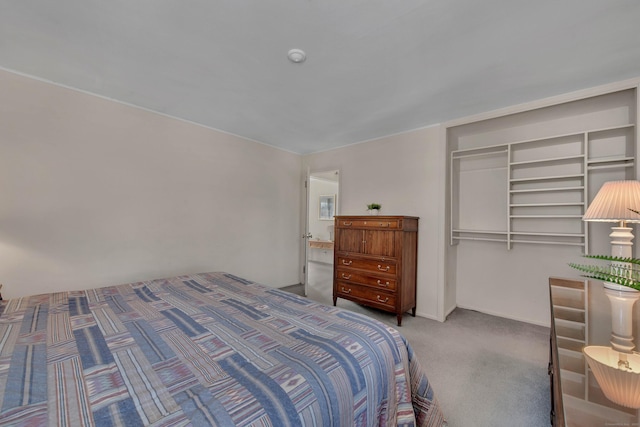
203 349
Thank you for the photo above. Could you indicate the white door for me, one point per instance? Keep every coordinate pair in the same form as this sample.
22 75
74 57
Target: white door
322 204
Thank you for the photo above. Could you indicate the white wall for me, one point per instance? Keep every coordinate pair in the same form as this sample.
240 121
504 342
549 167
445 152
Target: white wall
94 192
404 173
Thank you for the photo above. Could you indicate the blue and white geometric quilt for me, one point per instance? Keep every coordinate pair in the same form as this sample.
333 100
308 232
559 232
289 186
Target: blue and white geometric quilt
204 349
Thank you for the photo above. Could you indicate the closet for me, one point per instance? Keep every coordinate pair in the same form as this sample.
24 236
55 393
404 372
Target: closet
518 184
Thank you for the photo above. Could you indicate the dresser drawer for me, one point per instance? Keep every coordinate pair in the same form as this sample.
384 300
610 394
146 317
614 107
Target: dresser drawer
366 294
373 265
351 276
382 223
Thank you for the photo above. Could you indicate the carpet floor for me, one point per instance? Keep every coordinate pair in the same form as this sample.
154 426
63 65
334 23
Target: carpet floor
485 370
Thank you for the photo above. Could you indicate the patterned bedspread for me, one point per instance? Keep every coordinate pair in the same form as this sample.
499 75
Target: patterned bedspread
205 349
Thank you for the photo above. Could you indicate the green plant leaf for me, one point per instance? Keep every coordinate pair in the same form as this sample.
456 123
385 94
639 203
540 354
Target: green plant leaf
635 261
621 271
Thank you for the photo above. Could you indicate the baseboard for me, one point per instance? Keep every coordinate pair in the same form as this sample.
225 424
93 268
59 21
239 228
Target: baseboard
436 318
427 316
288 286
491 313
453 307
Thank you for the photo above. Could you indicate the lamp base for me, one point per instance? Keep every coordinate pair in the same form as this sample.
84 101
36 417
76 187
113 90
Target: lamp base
621 241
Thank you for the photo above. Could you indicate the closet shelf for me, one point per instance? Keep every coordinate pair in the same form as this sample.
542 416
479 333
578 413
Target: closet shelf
479 231
532 233
477 153
545 190
545 216
610 167
546 178
498 148
611 164
547 242
550 160
607 129
481 239
533 205
480 235
611 160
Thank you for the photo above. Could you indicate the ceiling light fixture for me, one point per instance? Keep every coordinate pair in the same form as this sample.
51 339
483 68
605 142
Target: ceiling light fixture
297 56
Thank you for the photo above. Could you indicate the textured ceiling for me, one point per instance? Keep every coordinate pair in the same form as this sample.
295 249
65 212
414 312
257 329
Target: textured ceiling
374 67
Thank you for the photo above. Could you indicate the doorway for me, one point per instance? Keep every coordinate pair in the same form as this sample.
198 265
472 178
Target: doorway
322 205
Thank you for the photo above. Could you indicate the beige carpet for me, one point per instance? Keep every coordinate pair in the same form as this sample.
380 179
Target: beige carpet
485 370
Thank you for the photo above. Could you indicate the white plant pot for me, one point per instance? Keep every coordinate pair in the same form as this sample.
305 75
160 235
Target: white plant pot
622 299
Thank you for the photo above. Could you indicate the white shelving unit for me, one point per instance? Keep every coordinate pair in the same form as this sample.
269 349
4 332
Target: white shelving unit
545 182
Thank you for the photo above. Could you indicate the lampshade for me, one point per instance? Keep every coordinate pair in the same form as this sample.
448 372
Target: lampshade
613 201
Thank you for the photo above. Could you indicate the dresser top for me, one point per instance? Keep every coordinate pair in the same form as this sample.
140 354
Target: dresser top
374 217
377 222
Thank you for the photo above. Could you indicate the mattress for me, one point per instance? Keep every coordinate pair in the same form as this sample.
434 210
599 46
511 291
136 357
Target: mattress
203 349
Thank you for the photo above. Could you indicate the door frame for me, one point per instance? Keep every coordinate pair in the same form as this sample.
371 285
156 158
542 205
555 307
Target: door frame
307 213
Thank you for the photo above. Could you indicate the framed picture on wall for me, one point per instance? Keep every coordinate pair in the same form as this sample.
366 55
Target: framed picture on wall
327 207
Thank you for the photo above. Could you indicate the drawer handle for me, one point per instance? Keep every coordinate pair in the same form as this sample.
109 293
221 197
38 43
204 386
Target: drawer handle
344 276
382 300
346 291
347 224
383 269
382 224
383 284
347 262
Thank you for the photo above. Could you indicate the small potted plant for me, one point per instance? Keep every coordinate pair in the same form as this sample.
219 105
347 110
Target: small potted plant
374 208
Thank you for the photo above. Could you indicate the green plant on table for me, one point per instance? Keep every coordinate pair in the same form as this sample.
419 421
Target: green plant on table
373 206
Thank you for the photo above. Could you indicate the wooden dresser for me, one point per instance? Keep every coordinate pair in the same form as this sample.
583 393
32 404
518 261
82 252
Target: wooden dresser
375 262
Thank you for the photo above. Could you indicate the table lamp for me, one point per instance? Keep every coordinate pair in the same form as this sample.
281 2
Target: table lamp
617 368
